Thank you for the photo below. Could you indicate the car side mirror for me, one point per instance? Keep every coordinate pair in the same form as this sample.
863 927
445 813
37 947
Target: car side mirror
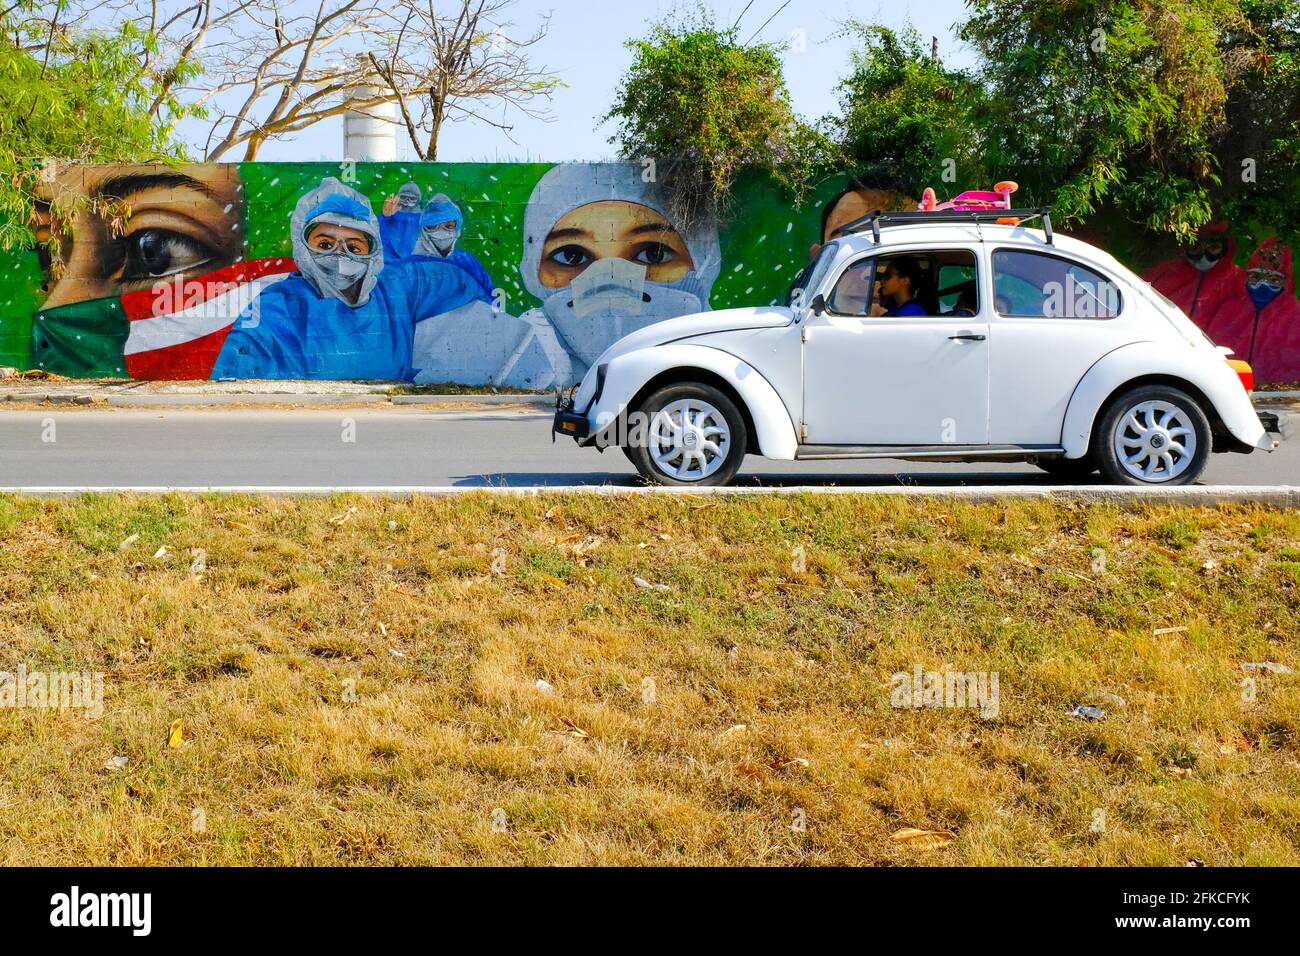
818 304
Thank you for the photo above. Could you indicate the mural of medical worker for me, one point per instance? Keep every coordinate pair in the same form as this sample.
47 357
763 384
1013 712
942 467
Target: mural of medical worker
1204 281
344 313
602 255
177 223
1273 344
855 200
399 226
441 223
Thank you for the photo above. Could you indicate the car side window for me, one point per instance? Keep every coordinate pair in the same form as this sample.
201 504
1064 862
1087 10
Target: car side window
931 282
1039 285
854 292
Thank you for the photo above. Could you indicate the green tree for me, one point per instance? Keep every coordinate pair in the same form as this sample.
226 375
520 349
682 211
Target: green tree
71 94
903 121
1260 149
1132 104
702 105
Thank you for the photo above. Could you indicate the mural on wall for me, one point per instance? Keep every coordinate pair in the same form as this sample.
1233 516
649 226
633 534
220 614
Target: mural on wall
1253 311
511 274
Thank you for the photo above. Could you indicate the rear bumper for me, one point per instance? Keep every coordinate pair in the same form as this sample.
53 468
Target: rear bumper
1275 424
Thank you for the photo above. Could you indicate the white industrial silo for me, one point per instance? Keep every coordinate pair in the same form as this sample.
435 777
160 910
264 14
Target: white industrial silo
370 135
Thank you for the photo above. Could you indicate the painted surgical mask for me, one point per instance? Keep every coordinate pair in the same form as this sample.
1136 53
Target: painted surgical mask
340 269
1263 286
612 298
442 238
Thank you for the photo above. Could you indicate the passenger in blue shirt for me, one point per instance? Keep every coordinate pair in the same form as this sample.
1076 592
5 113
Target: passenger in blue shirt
399 225
344 313
440 226
900 282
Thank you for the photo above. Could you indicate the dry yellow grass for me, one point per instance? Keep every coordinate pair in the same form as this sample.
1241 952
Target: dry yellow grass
363 690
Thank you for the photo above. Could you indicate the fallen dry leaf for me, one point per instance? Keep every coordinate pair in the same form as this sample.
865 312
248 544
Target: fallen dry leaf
923 839
792 762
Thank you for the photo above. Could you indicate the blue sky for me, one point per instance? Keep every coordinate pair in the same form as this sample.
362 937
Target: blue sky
585 49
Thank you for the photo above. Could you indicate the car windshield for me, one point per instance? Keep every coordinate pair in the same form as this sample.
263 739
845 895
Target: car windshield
811 276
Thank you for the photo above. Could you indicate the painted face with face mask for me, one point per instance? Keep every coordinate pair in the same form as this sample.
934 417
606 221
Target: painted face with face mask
1264 278
336 242
440 227
605 260
1206 253
408 197
341 254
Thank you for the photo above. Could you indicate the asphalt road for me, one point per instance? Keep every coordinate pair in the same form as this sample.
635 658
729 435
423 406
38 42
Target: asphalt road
428 447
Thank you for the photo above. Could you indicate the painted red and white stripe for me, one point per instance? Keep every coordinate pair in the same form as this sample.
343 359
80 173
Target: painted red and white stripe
177 328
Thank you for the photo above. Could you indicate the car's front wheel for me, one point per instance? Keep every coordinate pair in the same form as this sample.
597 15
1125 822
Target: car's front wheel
1153 435
691 434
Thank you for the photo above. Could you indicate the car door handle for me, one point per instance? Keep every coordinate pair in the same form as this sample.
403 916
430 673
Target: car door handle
966 337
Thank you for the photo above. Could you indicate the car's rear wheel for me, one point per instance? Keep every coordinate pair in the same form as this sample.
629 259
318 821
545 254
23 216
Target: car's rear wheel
1068 469
1153 435
693 435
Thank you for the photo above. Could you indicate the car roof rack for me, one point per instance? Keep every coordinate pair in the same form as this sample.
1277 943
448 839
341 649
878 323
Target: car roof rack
874 220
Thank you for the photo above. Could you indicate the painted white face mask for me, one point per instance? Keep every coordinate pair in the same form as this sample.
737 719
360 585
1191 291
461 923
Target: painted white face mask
612 298
339 269
443 239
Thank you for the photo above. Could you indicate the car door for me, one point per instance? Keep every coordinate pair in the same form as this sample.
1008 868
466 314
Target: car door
901 379
1053 318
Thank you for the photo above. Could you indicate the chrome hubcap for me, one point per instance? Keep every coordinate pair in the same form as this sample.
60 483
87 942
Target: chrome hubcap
1155 441
689 439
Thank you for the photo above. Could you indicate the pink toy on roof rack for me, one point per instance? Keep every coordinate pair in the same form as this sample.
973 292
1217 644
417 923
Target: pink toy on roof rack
973 199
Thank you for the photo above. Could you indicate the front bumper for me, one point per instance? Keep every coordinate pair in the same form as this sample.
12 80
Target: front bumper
568 422
571 424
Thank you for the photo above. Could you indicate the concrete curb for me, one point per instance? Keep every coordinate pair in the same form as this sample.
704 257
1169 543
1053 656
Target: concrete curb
548 400
1271 496
252 398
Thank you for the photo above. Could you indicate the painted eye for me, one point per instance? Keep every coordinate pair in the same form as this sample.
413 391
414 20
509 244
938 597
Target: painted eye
153 253
654 254
572 256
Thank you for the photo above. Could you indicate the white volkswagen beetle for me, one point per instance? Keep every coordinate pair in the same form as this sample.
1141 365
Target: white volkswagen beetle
947 336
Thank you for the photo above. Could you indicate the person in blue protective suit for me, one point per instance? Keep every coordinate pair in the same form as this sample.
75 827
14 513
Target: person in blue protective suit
440 227
345 314
399 225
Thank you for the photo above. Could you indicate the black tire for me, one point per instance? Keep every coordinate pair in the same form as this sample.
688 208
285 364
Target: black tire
731 452
1188 465
1072 470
